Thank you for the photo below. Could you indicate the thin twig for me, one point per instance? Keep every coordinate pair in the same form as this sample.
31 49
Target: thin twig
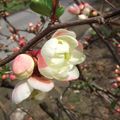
102 38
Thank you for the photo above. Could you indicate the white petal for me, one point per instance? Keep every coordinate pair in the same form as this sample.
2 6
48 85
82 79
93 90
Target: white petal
77 57
62 73
40 83
46 72
73 74
73 43
61 32
49 48
62 47
21 92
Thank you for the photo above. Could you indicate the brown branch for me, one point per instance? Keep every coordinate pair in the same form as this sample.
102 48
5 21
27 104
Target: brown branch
67 111
44 107
7 84
7 21
110 4
107 43
54 8
55 27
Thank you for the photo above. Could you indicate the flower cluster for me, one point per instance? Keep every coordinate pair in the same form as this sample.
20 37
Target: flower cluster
55 61
116 83
34 27
83 10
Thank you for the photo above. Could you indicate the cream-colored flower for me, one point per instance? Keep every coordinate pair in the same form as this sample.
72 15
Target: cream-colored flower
59 55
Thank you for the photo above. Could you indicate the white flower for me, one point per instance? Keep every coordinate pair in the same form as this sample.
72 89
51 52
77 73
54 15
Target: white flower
59 55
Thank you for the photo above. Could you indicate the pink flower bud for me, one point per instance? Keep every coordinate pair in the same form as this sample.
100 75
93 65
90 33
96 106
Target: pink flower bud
12 77
114 85
118 79
23 66
15 49
117 110
4 76
94 13
74 9
117 71
30 24
22 42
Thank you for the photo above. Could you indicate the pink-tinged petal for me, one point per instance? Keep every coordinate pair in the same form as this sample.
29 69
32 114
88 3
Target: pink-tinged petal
41 61
41 83
23 66
21 92
73 74
80 46
73 43
81 6
43 67
61 32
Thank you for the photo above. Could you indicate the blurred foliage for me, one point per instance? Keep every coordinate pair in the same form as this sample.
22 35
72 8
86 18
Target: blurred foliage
13 5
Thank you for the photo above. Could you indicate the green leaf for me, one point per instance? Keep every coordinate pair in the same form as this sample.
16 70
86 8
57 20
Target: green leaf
59 11
44 7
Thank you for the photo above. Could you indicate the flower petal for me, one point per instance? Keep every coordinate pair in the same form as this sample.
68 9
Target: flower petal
61 32
41 61
73 74
21 92
62 72
41 83
49 48
77 57
80 46
73 43
46 72
43 68
54 46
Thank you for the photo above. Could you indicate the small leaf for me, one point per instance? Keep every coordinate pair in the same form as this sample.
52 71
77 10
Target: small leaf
44 7
59 11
